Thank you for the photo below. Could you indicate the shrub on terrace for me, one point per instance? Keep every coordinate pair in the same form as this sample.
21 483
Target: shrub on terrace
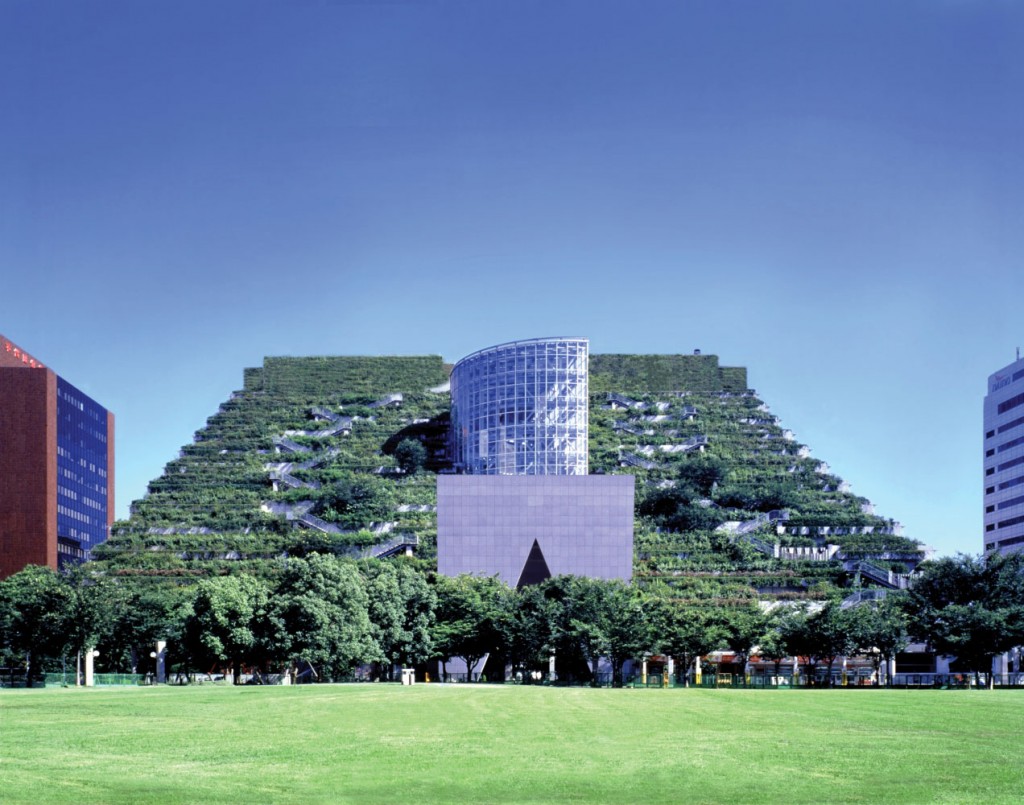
703 473
410 455
355 501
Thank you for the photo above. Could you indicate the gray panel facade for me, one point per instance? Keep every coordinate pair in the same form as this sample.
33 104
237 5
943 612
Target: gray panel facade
583 525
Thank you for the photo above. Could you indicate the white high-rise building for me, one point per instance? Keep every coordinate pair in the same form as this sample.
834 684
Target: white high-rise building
1004 459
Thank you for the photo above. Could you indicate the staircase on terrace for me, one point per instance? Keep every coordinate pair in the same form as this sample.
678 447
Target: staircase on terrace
315 522
342 425
767 548
283 478
616 400
403 544
775 515
879 575
388 401
698 441
320 412
862 597
288 446
312 463
632 460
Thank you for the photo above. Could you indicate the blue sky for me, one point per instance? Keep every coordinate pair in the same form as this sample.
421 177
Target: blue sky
830 194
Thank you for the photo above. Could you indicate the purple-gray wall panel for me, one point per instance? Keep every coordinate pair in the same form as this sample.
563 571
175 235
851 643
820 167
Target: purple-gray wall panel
486 524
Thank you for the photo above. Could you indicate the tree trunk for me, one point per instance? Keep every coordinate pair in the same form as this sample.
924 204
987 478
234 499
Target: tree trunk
30 668
616 673
471 662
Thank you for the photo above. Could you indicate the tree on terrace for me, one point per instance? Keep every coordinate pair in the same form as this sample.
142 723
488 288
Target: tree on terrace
703 472
411 455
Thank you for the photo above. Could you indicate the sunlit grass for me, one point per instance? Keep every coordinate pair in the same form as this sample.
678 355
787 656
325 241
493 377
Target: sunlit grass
434 743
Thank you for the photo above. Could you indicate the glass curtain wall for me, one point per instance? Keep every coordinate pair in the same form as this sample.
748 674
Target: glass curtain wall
522 408
81 470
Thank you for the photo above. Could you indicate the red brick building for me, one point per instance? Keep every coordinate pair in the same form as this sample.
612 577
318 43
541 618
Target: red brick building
56 466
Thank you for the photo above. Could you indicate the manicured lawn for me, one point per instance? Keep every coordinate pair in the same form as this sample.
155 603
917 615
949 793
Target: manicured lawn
469 744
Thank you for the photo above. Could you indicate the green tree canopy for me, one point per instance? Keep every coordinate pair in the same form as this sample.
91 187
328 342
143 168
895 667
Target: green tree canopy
142 616
525 624
595 618
827 634
401 611
411 455
685 632
969 607
744 629
468 618
355 500
880 629
37 616
323 606
230 623
703 472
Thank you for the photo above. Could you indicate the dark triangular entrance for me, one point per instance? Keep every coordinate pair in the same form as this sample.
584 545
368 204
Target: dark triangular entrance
536 568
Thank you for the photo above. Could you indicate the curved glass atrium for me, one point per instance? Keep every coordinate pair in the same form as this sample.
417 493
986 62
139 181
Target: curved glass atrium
521 408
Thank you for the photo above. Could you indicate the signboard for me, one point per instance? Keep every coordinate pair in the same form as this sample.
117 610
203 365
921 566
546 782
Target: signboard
12 353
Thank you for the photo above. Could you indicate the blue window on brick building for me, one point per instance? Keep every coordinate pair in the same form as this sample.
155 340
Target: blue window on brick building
82 471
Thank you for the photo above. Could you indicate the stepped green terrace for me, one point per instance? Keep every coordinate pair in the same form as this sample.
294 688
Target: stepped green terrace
730 506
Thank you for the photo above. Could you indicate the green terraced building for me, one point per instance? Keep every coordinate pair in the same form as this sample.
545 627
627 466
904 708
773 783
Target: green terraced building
313 454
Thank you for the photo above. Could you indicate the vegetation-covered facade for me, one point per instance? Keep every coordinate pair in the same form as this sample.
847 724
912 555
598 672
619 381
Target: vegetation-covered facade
340 454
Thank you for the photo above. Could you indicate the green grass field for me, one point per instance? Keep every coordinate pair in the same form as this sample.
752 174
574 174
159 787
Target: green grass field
469 744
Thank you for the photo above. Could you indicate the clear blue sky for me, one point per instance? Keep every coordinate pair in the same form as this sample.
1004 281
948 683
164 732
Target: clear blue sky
828 193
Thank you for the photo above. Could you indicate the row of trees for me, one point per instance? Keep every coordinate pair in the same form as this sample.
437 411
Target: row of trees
336 614
331 613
